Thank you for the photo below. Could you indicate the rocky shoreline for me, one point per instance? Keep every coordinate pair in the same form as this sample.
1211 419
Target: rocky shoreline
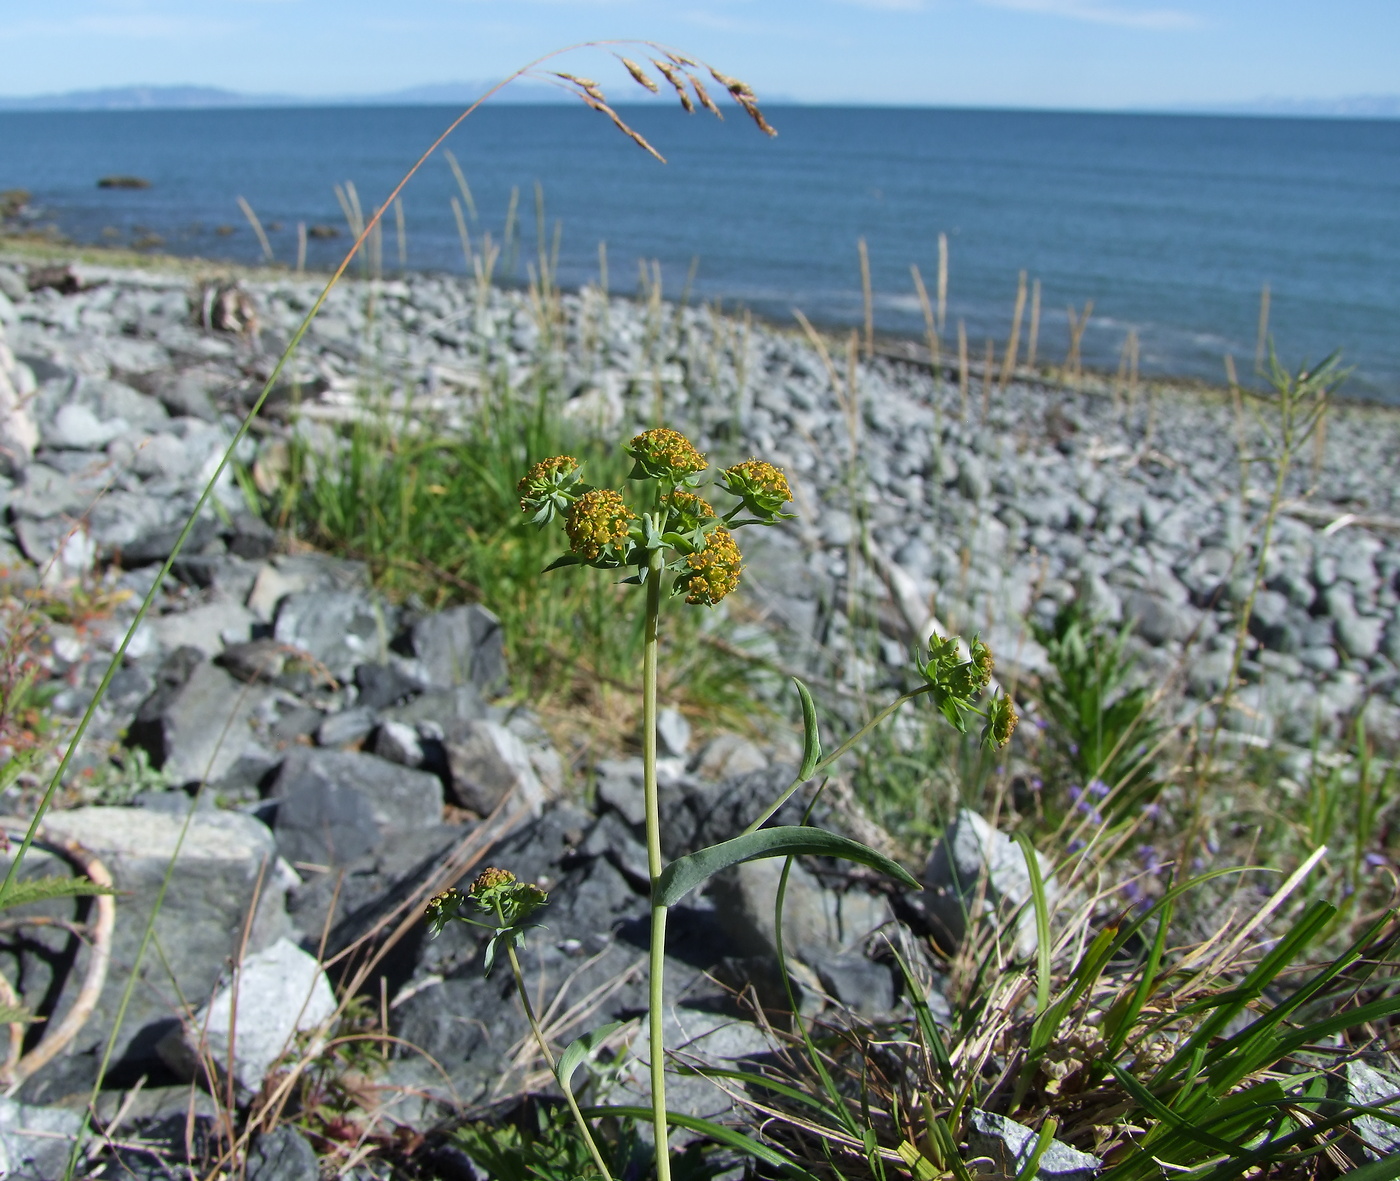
358 751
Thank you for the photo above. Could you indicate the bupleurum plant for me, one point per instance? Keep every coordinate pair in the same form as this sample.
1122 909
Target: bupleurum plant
674 543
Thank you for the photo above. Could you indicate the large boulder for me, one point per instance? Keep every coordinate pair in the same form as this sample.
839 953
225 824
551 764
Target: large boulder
221 868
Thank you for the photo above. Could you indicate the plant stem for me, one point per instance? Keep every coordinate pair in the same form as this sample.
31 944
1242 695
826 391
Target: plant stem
549 1057
656 997
830 759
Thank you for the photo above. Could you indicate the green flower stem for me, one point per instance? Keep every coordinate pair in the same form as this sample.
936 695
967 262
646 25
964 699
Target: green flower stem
656 996
549 1056
767 813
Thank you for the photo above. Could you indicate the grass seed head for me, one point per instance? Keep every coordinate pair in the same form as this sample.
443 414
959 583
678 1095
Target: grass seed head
640 76
597 519
714 570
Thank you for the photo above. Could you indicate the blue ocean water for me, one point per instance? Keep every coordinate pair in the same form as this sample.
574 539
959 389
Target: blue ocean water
1170 224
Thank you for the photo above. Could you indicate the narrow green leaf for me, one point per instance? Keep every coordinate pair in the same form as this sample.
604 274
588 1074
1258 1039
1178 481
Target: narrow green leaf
42 889
811 737
928 1027
1159 1110
1042 923
1031 1165
760 1081
714 1131
12 1014
580 1050
562 561
685 873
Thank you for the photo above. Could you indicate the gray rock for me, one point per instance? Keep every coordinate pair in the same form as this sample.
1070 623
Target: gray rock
275 994
673 732
382 685
1010 1145
698 1036
399 743
346 727
449 709
339 629
463 645
1365 1086
973 865
201 730
620 788
335 806
200 923
488 763
817 922
1157 620
283 1154
35 1142
192 392
726 755
1360 635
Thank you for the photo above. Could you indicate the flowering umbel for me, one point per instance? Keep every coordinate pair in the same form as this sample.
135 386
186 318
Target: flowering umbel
713 571
683 534
762 488
545 489
664 454
597 522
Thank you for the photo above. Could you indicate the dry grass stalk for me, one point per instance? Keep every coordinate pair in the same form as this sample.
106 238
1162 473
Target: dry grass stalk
989 373
461 182
1034 341
942 281
964 376
1078 321
1262 341
462 234
301 248
257 228
867 298
402 232
1008 368
930 324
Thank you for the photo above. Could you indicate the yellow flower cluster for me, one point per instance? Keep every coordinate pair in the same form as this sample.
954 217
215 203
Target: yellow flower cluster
690 510
763 475
540 476
489 879
664 449
714 570
596 520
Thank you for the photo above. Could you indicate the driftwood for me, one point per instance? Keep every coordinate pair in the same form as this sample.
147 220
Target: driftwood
19 1066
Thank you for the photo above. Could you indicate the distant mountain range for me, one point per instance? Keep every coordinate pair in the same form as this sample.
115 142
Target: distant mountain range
151 98
138 98
1357 106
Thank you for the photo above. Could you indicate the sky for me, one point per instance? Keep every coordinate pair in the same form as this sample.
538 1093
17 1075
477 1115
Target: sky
1096 54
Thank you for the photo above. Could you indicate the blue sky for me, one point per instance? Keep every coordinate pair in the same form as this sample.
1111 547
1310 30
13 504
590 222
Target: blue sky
1038 53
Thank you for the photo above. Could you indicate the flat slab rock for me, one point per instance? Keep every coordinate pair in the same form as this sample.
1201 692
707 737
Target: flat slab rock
335 806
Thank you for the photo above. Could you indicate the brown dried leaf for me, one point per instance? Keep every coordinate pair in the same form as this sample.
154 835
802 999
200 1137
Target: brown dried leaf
672 75
640 76
704 96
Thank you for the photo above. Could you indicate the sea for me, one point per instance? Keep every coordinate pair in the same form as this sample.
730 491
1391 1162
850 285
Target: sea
1172 225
